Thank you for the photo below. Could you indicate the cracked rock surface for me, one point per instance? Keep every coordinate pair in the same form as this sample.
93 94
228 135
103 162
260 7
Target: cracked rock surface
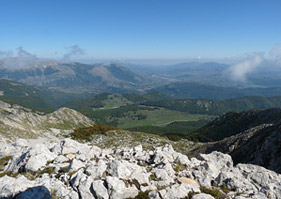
68 169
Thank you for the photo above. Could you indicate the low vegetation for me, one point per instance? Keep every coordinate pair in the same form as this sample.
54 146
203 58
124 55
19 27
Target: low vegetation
87 133
179 128
31 175
215 192
4 161
142 195
48 170
8 173
112 137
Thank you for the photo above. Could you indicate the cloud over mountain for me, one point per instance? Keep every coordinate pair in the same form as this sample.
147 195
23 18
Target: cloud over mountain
239 72
73 51
22 59
276 53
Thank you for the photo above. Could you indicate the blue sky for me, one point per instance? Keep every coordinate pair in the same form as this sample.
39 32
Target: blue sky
141 29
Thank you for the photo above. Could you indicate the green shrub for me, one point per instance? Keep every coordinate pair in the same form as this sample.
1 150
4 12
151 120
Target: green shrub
4 161
142 195
63 169
225 189
48 170
8 173
179 167
215 192
174 137
153 177
86 133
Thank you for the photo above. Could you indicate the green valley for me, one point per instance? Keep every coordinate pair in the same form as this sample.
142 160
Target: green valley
154 112
159 114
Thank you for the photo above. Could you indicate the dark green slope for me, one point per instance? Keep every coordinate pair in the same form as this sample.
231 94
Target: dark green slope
233 123
202 91
192 106
32 97
217 107
178 128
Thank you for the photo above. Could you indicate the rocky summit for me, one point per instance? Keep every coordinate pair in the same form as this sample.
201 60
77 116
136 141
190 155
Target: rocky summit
69 169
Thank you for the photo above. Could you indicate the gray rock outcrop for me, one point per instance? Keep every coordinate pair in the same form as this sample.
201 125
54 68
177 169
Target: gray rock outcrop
68 169
259 145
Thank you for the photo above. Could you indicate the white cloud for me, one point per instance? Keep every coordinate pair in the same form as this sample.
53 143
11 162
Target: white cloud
5 54
73 51
276 53
239 72
22 59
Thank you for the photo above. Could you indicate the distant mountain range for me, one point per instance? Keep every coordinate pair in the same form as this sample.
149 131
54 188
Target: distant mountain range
75 77
185 80
210 73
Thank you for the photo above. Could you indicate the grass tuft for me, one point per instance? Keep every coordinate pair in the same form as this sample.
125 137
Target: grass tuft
4 161
215 192
87 133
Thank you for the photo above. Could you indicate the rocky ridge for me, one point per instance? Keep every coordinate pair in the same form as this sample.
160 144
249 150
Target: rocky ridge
20 122
262 144
68 169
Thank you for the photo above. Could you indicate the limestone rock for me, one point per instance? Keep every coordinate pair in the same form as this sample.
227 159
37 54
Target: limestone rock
182 159
33 159
202 196
68 146
9 186
85 189
117 188
96 171
76 164
124 172
188 181
70 156
61 159
153 195
99 190
180 191
138 148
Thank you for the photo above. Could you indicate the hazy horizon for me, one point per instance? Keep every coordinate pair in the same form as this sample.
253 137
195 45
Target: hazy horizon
243 34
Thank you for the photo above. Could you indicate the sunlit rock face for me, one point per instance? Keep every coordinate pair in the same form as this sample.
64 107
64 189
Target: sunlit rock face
68 169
